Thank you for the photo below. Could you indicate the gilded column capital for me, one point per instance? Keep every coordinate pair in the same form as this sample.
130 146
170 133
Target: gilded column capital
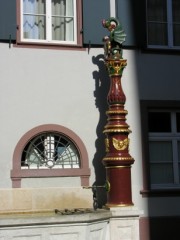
115 67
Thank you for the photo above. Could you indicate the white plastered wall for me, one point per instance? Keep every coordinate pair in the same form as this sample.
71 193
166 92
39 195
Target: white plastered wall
43 86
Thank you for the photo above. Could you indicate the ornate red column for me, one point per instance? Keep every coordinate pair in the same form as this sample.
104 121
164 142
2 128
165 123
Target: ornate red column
117 160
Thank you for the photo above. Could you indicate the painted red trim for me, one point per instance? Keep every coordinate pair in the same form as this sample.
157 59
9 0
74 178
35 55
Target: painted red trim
144 228
17 173
49 46
79 22
18 20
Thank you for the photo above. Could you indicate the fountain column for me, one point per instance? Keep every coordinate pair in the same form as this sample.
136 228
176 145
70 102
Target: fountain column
117 160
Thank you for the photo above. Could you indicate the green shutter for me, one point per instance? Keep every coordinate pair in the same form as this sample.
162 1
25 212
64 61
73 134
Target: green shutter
93 13
7 19
129 12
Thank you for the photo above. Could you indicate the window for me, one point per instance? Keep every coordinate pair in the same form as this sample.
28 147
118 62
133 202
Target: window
50 151
163 23
66 23
164 148
49 21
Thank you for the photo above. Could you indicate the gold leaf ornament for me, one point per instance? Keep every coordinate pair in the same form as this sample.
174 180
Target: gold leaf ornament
107 144
120 144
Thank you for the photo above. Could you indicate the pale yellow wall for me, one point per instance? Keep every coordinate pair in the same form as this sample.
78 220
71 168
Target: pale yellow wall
44 199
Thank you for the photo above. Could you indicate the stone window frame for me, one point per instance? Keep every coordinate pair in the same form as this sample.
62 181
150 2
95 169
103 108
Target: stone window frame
17 174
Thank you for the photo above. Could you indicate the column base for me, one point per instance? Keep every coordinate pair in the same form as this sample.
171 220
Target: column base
124 223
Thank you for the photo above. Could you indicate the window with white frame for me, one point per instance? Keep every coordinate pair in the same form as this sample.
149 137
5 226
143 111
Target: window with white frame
163 23
164 148
49 21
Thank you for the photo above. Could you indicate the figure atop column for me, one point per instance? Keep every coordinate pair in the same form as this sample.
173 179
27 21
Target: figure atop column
113 42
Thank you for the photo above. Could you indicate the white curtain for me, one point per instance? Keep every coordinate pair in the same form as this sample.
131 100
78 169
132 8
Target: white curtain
62 20
34 24
62 17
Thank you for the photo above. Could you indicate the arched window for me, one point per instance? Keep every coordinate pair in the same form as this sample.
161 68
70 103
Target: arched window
50 151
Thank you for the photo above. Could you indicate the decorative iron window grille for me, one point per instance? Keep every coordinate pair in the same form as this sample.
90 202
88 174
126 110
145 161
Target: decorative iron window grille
50 150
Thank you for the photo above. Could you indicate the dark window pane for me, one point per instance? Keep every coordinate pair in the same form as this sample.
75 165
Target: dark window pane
179 156
176 10
159 122
161 173
157 10
176 22
157 34
157 22
176 32
178 121
161 162
160 151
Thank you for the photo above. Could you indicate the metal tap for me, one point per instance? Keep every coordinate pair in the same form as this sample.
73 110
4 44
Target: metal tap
94 188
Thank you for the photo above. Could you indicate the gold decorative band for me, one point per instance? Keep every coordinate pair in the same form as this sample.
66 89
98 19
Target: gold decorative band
116 118
116 112
117 130
117 125
116 74
122 60
118 104
117 158
107 144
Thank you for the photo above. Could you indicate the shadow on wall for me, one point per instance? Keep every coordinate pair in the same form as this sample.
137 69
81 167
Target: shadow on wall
101 91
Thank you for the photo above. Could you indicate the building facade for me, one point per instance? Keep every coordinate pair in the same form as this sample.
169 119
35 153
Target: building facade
53 103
